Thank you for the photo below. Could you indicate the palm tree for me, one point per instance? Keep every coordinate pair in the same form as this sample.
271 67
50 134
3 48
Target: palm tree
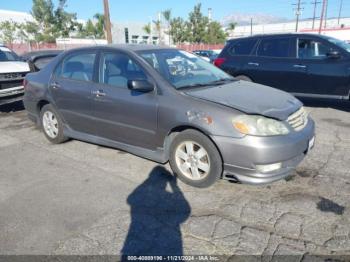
158 26
167 17
147 29
231 27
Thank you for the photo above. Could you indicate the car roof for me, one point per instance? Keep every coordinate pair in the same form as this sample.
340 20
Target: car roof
275 35
127 47
38 53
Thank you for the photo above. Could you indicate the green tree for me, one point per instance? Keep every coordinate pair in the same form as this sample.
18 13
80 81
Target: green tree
178 30
50 22
100 25
147 28
197 24
158 27
215 34
64 22
11 31
93 28
8 31
231 27
167 17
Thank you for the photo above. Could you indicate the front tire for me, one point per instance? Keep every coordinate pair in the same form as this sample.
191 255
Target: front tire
195 159
52 125
244 78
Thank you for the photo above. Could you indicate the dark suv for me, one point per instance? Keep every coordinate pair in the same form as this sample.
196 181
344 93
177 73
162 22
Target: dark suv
303 64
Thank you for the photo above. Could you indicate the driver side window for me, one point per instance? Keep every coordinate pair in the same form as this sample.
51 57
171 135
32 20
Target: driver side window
311 49
116 69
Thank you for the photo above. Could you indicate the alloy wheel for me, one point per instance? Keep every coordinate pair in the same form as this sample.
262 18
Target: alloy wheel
192 160
50 124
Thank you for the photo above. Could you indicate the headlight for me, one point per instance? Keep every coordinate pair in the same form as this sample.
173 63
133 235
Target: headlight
259 126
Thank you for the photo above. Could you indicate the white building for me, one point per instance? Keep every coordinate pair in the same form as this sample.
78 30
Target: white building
133 33
18 17
341 31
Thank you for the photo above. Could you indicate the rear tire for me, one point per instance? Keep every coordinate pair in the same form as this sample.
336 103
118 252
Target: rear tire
195 159
244 78
52 125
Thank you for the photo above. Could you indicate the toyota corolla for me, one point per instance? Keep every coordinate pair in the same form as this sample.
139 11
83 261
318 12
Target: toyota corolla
165 104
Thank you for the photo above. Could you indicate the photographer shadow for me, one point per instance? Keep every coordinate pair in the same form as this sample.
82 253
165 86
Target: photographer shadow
156 216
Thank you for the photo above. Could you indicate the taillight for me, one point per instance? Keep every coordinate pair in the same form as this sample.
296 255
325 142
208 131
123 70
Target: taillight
219 61
25 83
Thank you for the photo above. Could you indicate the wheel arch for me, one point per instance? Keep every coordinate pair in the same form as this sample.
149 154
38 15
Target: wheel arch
41 104
178 129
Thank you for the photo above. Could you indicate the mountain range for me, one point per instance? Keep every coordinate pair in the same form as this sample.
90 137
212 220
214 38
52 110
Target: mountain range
258 18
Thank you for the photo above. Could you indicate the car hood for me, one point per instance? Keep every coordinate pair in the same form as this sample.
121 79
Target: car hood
250 98
14 67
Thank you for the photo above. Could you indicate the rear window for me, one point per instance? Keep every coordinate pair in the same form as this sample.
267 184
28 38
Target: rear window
242 47
275 47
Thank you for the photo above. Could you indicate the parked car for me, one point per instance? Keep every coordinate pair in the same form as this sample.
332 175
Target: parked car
169 105
12 73
306 65
205 54
38 59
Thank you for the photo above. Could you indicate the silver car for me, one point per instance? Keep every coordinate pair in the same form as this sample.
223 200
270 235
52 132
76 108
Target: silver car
165 104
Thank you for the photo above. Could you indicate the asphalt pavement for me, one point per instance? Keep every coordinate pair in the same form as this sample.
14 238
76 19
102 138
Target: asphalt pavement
80 198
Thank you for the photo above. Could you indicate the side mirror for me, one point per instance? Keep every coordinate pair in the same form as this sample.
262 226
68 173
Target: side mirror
333 54
140 86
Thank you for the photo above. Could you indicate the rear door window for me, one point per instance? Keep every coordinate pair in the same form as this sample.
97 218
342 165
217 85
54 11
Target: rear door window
77 67
274 47
242 47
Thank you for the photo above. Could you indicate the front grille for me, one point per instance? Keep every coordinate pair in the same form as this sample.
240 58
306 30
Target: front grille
10 84
298 120
12 76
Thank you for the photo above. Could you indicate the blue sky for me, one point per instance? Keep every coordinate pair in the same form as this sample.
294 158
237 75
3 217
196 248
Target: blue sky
141 10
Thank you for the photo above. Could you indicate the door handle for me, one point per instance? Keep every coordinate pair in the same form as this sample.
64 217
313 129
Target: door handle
253 64
55 85
299 66
99 93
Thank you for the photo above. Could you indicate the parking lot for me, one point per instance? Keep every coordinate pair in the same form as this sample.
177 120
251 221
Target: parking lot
79 198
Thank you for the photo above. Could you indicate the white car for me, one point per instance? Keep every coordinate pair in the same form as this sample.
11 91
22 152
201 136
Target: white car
12 73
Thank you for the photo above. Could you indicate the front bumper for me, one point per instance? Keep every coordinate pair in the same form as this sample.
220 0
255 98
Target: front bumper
241 155
10 95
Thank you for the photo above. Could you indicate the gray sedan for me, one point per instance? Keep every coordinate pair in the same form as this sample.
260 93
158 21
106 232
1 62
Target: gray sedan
165 104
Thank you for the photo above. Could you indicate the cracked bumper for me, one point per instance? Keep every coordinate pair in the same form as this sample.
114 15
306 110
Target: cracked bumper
241 155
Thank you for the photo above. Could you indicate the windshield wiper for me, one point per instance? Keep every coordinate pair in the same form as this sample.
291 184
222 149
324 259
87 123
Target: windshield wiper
193 85
213 83
221 81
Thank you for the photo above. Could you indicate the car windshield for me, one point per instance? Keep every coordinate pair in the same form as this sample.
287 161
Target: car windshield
339 43
184 70
7 55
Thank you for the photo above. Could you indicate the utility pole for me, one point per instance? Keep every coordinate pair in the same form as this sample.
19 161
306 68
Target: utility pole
340 9
108 29
251 26
315 3
326 15
298 13
322 15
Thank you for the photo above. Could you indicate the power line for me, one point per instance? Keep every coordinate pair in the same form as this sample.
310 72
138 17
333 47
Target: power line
315 3
298 10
